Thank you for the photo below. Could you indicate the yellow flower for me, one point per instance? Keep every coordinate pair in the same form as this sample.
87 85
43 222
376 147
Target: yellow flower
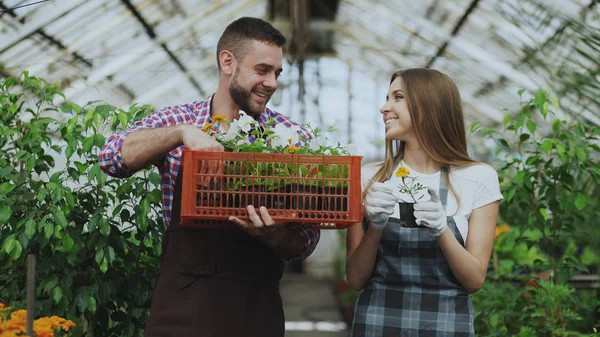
501 229
207 127
219 118
292 148
402 172
3 308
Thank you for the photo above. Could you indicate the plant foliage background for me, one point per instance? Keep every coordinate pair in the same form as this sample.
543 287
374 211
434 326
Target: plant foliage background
96 240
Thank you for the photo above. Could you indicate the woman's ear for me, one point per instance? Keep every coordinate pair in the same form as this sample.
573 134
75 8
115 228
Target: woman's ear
227 62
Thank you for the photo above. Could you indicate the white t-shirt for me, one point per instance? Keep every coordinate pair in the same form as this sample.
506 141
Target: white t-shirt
476 185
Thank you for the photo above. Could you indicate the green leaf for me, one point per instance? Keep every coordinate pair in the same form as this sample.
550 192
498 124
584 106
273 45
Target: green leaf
7 187
507 119
580 201
48 230
5 213
531 126
123 119
17 250
494 320
42 194
544 213
104 265
111 254
9 243
88 143
540 99
57 294
99 256
104 110
58 232
51 284
30 227
556 126
91 304
544 109
99 140
547 145
69 151
581 154
520 92
554 101
60 219
68 242
104 227
88 116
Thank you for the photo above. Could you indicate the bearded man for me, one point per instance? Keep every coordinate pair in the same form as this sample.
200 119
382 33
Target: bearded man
216 282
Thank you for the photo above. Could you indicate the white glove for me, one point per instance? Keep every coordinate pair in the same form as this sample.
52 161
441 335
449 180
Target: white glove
431 214
380 202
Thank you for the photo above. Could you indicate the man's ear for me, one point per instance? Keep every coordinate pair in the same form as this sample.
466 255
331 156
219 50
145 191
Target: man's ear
227 62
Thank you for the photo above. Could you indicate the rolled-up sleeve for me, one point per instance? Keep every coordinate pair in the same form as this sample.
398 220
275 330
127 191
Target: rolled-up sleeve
110 157
311 236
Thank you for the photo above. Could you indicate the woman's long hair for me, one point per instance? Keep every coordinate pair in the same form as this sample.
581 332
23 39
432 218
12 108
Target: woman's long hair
436 112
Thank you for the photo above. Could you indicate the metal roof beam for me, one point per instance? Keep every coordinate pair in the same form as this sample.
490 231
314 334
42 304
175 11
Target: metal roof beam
153 36
52 11
455 31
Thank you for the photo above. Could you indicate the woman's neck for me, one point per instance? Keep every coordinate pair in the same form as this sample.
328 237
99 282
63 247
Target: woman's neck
416 158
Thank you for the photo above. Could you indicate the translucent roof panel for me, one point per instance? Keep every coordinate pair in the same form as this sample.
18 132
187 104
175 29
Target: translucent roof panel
162 52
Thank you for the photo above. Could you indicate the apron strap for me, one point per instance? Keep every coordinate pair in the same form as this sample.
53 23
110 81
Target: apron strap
443 192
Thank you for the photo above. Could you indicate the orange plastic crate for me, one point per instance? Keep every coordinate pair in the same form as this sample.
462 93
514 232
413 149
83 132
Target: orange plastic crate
322 190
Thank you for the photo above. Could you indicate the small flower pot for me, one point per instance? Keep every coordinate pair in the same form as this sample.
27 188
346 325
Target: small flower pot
407 221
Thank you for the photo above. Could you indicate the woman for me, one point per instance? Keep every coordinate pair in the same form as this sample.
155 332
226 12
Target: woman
417 281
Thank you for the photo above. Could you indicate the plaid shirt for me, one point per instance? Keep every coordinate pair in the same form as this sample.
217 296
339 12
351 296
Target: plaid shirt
197 113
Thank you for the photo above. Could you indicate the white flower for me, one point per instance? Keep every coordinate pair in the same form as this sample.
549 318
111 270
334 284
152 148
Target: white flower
241 142
232 133
246 122
316 143
285 136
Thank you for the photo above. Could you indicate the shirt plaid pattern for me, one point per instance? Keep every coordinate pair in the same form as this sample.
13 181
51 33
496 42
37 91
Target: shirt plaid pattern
197 114
412 291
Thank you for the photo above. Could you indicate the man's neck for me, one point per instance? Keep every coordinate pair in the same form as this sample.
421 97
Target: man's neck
222 104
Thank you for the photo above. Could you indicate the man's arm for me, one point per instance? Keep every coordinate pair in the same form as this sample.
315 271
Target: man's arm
151 139
297 242
145 147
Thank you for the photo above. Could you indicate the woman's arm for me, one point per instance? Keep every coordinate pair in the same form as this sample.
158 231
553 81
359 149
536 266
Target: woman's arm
469 264
361 251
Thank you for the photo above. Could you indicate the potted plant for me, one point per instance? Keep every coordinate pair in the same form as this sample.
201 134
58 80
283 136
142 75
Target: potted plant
409 186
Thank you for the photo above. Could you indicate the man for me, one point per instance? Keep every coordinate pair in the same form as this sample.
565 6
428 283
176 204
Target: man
216 282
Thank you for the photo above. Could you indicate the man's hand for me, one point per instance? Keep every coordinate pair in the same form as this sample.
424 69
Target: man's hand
195 139
262 227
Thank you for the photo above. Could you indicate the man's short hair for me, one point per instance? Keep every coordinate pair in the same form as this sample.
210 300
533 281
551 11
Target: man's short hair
237 36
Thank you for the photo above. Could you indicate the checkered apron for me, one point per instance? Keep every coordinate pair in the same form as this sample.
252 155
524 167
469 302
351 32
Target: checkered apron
412 291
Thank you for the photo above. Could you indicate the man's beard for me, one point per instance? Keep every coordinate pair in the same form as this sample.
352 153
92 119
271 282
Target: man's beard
241 97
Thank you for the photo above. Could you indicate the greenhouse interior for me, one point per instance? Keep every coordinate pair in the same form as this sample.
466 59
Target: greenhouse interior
81 251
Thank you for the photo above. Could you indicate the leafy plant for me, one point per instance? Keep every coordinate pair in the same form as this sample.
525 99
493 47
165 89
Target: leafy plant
247 136
549 172
96 240
410 185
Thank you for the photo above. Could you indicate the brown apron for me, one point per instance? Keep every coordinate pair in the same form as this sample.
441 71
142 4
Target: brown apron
215 283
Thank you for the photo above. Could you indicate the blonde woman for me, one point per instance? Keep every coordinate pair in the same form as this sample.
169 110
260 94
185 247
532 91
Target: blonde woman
417 281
